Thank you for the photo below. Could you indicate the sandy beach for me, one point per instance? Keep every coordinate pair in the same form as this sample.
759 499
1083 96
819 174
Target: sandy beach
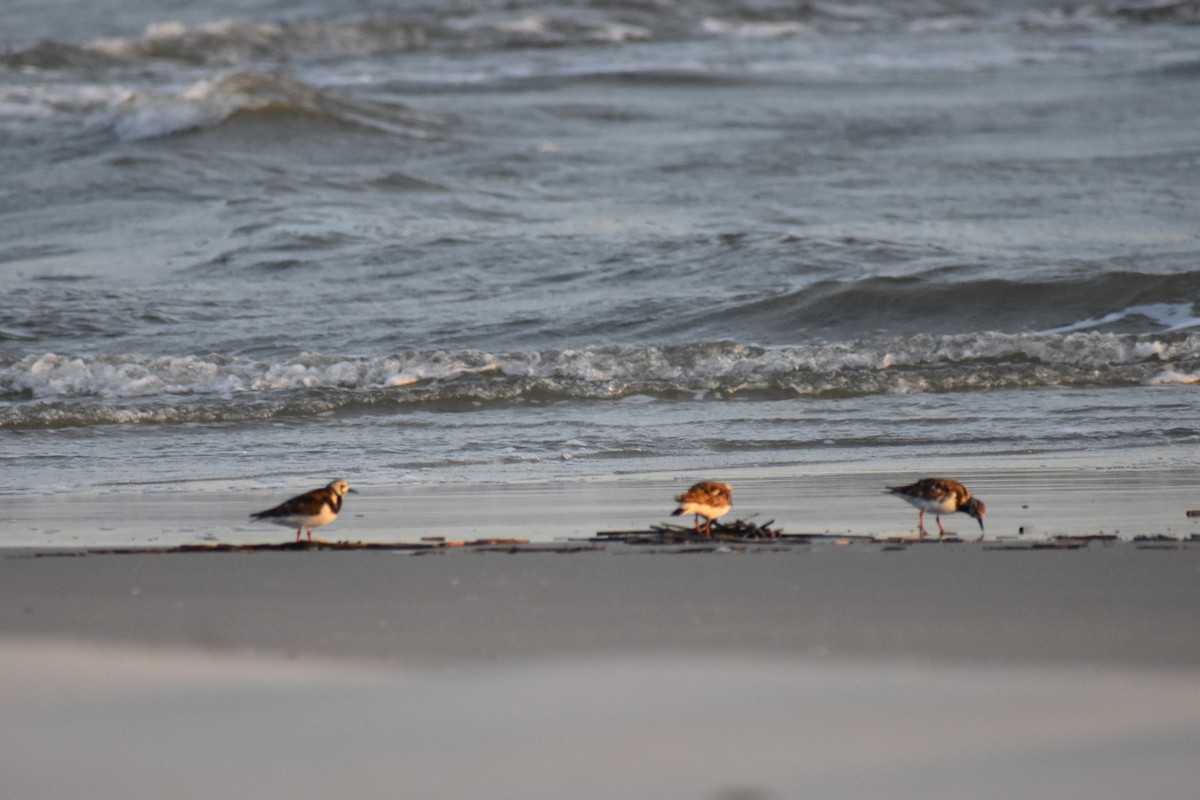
526 271
937 670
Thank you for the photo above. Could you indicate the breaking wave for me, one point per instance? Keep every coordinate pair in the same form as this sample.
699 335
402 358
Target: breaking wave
1141 303
209 103
525 24
54 390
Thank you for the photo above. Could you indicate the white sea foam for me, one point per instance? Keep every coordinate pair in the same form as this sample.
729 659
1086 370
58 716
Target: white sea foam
755 30
1168 316
1170 376
545 29
22 107
150 116
917 363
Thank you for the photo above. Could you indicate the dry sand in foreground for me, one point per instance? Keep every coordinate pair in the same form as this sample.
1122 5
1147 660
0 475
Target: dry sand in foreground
940 671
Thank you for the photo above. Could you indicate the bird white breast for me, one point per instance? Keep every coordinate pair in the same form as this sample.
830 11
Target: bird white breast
306 520
705 510
945 505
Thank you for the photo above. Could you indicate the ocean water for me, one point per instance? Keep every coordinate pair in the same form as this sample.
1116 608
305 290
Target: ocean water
249 246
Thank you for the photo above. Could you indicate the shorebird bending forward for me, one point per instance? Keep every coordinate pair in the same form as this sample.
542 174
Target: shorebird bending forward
940 496
708 499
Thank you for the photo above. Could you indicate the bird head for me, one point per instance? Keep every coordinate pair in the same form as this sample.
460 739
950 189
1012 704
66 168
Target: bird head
975 508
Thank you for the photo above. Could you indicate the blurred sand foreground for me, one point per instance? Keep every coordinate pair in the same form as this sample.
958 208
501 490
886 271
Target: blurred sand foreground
940 671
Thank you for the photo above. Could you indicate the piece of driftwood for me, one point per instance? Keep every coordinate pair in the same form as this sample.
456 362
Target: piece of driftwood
1049 544
304 545
1086 538
538 548
950 539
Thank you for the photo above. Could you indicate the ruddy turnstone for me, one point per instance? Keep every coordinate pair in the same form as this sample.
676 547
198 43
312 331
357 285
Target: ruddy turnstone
707 499
940 496
309 510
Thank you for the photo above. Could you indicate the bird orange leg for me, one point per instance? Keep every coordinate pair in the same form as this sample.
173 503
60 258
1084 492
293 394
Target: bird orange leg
941 530
298 532
921 522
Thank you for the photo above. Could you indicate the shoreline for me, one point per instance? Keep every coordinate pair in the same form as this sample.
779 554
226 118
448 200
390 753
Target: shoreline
1027 497
658 540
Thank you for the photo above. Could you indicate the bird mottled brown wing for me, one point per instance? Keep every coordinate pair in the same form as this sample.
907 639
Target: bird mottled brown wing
934 490
311 504
708 493
308 504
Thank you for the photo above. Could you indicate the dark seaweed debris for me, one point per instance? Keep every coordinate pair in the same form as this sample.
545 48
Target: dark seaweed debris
736 532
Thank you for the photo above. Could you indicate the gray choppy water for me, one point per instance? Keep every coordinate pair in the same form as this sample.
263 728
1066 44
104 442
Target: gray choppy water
261 243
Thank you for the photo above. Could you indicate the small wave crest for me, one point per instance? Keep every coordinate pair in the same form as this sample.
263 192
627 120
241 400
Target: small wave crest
56 390
228 42
891 305
209 103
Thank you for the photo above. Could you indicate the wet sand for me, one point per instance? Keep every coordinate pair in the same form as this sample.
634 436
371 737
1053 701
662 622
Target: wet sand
938 670
1043 495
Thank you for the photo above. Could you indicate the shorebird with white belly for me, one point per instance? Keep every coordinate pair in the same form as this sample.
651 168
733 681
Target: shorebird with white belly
940 496
708 499
309 510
